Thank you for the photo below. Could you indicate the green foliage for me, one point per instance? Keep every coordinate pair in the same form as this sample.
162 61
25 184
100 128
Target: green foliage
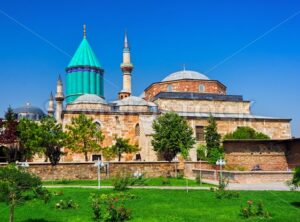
17 186
84 136
212 137
213 141
66 204
52 139
254 211
110 207
122 146
201 152
172 135
121 182
245 132
29 138
294 183
166 181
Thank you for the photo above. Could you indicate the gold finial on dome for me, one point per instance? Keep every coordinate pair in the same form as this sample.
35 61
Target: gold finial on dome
84 31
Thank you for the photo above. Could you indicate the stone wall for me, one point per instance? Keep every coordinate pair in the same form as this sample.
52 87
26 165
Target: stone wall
246 177
293 153
204 106
275 129
87 170
211 86
268 154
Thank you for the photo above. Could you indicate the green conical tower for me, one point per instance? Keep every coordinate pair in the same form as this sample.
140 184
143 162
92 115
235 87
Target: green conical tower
84 73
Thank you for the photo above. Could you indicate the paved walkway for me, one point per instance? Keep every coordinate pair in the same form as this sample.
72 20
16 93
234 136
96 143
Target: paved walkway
265 186
131 187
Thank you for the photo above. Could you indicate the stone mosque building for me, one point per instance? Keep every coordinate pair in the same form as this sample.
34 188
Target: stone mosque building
189 93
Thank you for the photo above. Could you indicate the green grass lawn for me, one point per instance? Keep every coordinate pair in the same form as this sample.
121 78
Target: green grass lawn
158 181
163 205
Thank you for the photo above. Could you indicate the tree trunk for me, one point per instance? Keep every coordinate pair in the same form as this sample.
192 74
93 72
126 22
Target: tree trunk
11 213
120 157
86 156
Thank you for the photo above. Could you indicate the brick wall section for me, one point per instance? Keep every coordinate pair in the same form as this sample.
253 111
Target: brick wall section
293 153
269 155
211 86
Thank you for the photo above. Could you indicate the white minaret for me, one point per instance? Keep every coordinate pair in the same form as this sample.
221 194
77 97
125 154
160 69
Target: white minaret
126 68
51 105
59 97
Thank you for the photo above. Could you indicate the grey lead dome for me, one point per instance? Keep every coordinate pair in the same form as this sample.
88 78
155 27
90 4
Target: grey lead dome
89 98
185 74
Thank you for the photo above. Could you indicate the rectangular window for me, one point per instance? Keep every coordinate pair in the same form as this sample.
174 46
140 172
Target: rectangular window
96 157
200 133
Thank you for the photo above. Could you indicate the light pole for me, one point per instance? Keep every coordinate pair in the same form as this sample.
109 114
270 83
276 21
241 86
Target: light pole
99 164
221 162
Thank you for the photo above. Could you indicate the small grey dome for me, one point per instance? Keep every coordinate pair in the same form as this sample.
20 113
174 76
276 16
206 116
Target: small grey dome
185 74
89 98
29 112
132 101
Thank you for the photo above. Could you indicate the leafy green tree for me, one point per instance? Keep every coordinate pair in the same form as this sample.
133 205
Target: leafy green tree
28 136
51 139
122 146
213 141
17 186
172 135
84 135
296 177
245 132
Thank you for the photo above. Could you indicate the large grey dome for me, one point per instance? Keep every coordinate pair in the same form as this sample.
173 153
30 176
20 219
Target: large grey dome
89 98
185 74
29 112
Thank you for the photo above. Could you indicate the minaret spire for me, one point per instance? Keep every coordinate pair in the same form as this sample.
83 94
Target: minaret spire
126 68
59 97
51 105
126 45
84 31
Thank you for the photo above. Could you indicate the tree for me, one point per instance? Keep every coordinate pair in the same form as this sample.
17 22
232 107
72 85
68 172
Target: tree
213 141
9 136
296 177
245 132
51 139
18 186
122 146
84 135
172 135
29 138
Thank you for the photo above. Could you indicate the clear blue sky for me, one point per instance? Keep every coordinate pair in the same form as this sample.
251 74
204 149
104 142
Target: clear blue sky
163 36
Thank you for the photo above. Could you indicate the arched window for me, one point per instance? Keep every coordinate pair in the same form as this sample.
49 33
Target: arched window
170 88
137 130
201 88
98 125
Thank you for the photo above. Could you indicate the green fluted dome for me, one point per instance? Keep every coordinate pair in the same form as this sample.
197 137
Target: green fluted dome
84 56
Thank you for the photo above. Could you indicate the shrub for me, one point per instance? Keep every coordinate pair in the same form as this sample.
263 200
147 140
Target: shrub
110 207
201 152
245 132
165 181
227 194
66 204
121 182
138 181
251 211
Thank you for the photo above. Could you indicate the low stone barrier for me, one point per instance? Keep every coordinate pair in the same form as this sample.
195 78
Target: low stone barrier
246 177
87 170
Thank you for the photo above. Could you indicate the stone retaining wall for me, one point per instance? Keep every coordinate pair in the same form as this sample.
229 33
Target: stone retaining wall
87 170
246 177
